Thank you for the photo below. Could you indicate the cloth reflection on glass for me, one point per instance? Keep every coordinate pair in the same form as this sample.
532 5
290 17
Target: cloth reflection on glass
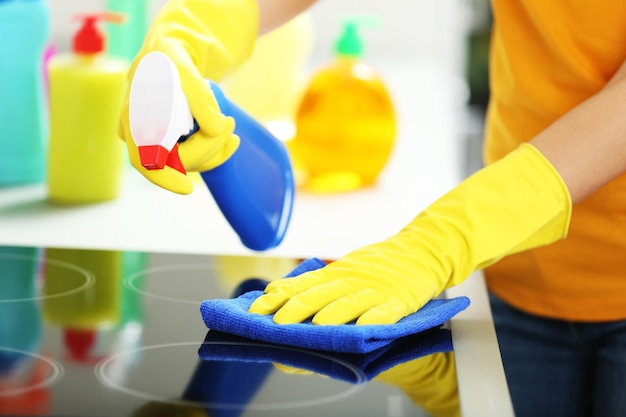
354 368
421 365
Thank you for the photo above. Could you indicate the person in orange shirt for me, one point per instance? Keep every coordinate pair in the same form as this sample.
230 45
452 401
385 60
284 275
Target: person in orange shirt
556 155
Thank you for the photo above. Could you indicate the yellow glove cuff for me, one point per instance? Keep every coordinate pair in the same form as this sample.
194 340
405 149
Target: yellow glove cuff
219 34
517 203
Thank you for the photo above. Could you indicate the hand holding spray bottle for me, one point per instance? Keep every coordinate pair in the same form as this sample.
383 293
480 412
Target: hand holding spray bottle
254 188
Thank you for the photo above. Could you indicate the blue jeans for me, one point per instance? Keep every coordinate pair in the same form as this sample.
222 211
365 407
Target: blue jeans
556 368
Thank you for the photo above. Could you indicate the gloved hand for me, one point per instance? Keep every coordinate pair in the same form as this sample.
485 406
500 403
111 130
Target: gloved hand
206 39
430 382
515 204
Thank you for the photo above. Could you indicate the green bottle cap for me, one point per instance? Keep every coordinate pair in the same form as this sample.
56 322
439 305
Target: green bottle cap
349 42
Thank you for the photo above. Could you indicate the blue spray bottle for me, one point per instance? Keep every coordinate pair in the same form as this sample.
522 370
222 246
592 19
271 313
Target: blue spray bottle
24 30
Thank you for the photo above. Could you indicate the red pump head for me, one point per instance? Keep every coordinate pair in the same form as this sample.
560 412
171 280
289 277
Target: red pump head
88 39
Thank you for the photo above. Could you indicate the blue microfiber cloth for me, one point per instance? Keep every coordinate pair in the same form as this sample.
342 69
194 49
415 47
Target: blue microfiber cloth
353 368
231 316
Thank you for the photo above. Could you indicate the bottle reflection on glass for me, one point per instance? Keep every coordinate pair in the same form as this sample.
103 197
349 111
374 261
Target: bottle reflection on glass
20 319
132 264
21 373
82 294
87 345
71 303
28 396
127 333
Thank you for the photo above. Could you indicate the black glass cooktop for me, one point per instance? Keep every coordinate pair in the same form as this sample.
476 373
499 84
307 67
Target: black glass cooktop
113 333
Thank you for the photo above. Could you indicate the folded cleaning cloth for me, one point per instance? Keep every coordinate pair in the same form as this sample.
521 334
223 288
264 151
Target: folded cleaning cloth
231 316
354 368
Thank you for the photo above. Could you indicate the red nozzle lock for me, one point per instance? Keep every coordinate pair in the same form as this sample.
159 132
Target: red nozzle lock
88 39
157 157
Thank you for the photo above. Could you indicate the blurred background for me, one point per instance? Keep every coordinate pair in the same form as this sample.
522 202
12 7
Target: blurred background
434 29
451 36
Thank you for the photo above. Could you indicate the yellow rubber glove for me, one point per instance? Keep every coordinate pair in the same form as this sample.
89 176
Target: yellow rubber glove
206 39
515 204
430 382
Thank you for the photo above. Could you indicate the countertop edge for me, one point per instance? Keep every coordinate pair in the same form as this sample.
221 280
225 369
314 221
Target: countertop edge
473 333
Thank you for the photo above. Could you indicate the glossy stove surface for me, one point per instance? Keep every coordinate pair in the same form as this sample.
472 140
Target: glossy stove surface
112 333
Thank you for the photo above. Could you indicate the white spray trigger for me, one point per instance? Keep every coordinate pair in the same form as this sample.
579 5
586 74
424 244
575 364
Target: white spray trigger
158 109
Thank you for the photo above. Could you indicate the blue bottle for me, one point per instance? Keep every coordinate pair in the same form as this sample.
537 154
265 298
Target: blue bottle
254 188
24 30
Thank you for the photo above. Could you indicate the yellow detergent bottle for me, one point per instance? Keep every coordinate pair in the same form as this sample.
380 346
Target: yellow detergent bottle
85 158
345 123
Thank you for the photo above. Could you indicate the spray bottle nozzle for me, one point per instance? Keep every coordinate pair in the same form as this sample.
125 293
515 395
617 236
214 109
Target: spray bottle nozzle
88 39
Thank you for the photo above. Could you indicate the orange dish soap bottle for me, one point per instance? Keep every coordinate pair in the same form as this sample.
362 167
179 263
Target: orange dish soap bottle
345 122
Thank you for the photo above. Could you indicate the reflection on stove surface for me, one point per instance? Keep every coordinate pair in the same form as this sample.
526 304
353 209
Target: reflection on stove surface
112 333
